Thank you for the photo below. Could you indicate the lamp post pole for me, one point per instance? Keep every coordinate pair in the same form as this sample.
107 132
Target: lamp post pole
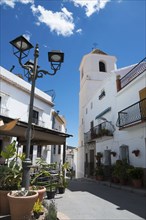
27 162
21 47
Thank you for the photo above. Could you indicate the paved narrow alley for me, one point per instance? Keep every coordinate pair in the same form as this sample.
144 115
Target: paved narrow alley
90 200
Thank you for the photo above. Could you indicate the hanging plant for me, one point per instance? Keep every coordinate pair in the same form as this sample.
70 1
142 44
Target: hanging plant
136 152
113 153
99 155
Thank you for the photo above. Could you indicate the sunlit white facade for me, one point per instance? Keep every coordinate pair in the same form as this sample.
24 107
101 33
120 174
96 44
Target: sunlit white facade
104 125
14 104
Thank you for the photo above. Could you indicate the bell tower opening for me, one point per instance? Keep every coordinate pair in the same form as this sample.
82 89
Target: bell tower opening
102 66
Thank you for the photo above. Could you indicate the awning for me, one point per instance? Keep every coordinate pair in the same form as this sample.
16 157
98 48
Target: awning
40 135
8 126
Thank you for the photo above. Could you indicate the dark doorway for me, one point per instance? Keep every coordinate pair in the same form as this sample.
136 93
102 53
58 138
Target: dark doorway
91 169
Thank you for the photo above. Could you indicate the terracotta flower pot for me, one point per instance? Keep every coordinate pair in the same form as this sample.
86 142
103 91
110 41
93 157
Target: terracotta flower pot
99 177
4 203
21 206
41 192
137 183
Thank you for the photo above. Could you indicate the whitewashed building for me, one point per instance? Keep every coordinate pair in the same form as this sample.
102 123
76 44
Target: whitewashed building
58 152
14 104
112 112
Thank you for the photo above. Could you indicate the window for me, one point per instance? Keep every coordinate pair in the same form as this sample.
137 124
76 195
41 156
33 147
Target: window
59 149
53 122
91 105
82 121
82 74
102 94
91 124
35 117
92 128
86 111
102 67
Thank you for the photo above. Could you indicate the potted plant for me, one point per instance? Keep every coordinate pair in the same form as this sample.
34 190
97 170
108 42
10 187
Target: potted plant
99 172
136 152
98 156
119 172
114 177
21 203
136 175
38 209
43 180
62 185
51 189
10 175
62 182
113 153
114 174
105 132
41 191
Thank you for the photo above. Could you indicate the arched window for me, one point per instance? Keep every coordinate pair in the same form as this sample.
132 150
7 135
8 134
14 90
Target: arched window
102 67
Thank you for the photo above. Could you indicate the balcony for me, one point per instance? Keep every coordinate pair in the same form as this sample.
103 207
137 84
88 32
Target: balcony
132 74
132 115
103 129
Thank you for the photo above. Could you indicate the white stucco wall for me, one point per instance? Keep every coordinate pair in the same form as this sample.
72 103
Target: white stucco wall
134 137
15 98
15 93
80 162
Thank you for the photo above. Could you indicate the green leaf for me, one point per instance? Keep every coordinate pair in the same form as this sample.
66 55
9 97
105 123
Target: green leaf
9 151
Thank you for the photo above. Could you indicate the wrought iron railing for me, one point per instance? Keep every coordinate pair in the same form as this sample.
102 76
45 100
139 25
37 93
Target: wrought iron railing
103 129
133 73
132 114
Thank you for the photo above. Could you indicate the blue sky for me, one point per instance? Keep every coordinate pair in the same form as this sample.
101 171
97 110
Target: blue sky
118 27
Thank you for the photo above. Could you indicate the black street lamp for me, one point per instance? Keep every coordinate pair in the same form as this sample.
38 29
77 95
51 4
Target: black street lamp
21 47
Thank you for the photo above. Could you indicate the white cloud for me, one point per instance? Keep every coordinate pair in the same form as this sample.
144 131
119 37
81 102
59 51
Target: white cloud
27 35
90 6
11 3
59 22
79 31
